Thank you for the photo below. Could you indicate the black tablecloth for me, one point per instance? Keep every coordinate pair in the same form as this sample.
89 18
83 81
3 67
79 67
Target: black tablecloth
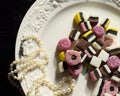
11 15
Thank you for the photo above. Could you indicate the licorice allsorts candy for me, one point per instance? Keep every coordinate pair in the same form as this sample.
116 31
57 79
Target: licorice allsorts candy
82 44
98 30
95 61
86 51
89 36
97 45
118 94
89 51
83 56
110 87
111 33
105 70
85 26
72 57
106 94
118 69
113 62
116 77
78 18
103 55
95 74
62 56
62 66
93 20
75 70
105 23
74 35
64 44
113 49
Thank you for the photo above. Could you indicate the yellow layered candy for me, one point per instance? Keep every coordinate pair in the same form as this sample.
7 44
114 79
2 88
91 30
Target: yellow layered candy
107 24
86 34
114 29
62 56
78 18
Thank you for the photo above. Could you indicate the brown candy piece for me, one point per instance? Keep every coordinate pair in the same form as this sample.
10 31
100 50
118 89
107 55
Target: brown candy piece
82 44
93 20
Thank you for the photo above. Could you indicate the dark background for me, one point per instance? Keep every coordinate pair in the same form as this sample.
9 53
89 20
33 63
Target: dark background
11 15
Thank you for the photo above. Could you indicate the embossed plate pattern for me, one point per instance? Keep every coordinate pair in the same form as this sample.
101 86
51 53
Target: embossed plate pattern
52 20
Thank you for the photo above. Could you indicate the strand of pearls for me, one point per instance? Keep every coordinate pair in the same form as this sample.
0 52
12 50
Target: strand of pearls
28 63
57 89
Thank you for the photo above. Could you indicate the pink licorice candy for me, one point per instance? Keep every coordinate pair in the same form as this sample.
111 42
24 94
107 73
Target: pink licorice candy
113 62
98 31
64 44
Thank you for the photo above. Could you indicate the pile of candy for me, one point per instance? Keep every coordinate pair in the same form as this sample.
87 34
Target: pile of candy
91 44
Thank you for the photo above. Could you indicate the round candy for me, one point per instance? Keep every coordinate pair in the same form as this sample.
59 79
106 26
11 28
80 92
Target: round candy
98 31
64 44
110 87
72 57
75 70
113 62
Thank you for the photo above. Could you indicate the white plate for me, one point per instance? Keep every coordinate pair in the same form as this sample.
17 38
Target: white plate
52 20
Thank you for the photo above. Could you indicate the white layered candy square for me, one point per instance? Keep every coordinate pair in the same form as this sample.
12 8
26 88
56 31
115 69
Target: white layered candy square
103 55
115 78
118 69
61 68
95 61
92 50
96 46
106 94
91 38
107 69
83 58
77 35
118 95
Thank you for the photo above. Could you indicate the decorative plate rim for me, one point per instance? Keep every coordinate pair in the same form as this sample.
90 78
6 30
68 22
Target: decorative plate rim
45 8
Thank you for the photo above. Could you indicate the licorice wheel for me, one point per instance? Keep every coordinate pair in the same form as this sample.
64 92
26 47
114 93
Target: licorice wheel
72 57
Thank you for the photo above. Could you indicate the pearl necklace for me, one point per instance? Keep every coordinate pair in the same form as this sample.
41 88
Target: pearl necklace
28 63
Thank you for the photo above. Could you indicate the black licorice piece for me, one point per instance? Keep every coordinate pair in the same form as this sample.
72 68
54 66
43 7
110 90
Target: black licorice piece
100 43
105 24
93 20
101 88
90 52
90 35
104 71
86 25
74 35
65 65
117 74
76 67
81 16
112 32
96 74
